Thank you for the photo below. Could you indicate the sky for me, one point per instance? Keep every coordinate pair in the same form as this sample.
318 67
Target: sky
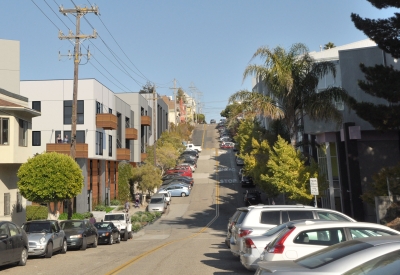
205 45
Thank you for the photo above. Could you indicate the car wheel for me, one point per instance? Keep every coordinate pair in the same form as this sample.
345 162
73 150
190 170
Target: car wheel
24 257
64 247
95 242
84 244
183 194
49 250
111 241
119 238
125 236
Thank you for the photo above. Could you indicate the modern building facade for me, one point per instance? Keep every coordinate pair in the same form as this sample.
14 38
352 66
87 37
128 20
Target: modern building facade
15 132
104 136
350 153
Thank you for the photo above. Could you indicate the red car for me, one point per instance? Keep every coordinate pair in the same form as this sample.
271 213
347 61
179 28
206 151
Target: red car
183 171
227 145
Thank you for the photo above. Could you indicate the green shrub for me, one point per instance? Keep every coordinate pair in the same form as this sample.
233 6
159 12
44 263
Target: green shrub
75 216
115 202
36 212
100 207
120 207
109 209
136 226
135 218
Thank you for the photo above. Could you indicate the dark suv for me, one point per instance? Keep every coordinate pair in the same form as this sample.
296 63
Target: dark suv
252 197
247 181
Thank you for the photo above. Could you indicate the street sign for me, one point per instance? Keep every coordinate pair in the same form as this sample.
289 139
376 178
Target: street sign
314 186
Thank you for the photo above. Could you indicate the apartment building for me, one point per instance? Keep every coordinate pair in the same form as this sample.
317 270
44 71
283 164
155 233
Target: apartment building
15 132
105 133
349 154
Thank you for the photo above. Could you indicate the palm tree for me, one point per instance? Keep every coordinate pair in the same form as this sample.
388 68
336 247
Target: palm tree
292 79
329 45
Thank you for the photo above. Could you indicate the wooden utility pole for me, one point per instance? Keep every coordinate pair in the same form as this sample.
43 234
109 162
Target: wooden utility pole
154 124
174 88
79 12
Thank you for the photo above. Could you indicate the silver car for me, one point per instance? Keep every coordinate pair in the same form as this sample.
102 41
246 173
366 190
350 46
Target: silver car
45 237
158 203
342 258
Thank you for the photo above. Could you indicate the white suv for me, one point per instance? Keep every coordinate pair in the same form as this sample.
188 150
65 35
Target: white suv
260 218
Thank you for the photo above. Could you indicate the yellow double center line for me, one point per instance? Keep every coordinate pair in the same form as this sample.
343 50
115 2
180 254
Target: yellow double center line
143 255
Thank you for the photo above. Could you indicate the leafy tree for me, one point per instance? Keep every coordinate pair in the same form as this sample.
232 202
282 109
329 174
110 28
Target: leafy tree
148 177
292 79
247 130
381 81
125 175
180 95
288 173
50 177
166 156
201 118
147 89
329 45
386 179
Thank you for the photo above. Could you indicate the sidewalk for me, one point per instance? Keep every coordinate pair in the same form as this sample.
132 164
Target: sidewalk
133 210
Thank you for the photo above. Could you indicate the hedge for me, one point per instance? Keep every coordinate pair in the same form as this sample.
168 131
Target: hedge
36 212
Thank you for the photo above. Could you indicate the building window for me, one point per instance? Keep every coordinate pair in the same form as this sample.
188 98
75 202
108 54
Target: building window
99 143
80 136
4 129
109 110
19 202
36 106
56 136
23 132
68 112
110 145
7 204
36 138
67 137
127 123
99 108
80 112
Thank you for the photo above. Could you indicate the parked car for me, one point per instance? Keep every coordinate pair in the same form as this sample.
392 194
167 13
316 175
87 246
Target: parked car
177 190
178 179
13 244
373 256
80 233
191 152
158 203
45 237
108 233
232 220
309 237
175 176
255 247
260 218
194 147
183 172
239 161
167 195
247 181
123 222
252 197
227 145
192 165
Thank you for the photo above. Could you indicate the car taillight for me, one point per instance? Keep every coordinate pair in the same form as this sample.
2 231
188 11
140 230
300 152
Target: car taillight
278 247
244 232
249 243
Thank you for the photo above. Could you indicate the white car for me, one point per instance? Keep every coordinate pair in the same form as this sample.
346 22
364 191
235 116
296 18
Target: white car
193 147
301 239
167 195
191 165
374 255
261 218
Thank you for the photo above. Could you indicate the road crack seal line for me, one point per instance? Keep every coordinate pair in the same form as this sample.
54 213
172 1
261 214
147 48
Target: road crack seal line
143 255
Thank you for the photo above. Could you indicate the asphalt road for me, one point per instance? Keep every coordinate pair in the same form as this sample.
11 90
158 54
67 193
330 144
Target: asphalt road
188 239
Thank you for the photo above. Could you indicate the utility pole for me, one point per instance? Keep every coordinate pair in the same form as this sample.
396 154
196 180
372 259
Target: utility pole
154 123
174 88
79 12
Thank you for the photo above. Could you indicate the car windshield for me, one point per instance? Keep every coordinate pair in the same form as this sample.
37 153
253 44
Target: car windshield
115 217
34 227
71 225
156 200
332 253
103 225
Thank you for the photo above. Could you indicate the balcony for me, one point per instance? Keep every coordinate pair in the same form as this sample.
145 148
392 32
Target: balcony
65 148
145 120
143 156
131 133
123 154
106 121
